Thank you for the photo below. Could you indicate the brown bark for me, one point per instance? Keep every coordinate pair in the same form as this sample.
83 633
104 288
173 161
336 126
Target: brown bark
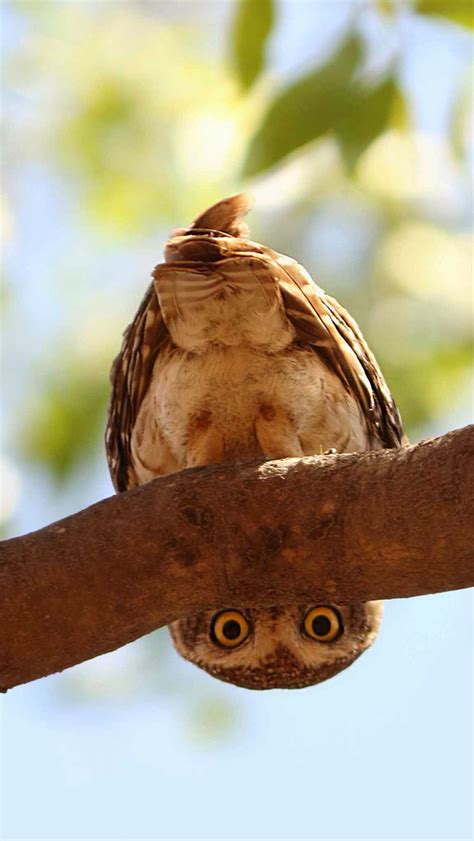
387 524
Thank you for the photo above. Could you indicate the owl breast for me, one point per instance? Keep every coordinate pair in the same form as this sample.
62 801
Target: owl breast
233 386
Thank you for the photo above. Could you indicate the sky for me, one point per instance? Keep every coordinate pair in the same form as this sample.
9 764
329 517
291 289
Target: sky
106 751
382 751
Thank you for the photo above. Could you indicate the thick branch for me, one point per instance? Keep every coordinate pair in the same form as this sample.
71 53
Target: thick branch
341 528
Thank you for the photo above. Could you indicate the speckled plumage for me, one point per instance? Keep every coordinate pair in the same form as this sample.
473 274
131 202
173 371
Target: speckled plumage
235 353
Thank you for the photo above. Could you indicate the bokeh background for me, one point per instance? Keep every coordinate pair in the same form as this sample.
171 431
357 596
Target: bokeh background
351 122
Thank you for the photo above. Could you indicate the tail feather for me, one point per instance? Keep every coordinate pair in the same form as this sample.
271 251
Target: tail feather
227 216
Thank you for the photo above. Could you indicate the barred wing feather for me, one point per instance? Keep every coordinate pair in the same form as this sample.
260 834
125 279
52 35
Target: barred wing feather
323 323
130 376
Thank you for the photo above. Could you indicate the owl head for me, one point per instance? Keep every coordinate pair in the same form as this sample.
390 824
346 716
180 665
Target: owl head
286 647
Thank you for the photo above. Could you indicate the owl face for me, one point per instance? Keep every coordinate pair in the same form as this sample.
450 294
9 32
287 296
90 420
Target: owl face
285 647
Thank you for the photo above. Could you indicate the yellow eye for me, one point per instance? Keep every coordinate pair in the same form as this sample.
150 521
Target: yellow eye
229 628
323 624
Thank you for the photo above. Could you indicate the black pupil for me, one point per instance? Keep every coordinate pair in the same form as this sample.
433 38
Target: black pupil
321 625
231 629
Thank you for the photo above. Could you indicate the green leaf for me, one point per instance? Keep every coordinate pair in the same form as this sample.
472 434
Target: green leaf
253 23
307 109
458 11
367 113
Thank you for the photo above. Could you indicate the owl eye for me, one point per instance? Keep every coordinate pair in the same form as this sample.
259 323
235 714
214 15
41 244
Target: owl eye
229 628
323 624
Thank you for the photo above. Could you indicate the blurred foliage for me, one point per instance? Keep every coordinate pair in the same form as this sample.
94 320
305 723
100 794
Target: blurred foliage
67 413
462 117
211 720
147 127
331 98
458 11
136 121
248 39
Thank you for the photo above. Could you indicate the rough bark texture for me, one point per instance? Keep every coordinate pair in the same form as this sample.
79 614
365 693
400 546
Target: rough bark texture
344 528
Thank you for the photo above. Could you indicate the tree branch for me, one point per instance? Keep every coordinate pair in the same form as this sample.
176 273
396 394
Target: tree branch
353 527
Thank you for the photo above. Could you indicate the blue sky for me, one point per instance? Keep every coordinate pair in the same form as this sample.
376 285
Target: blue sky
384 751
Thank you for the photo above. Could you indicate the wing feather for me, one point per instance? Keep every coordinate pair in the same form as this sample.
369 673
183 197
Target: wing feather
130 376
323 323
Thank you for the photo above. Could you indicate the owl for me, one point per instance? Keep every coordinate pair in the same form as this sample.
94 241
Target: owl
236 354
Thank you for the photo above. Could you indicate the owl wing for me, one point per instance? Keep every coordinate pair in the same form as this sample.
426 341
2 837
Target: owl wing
130 376
321 322
144 339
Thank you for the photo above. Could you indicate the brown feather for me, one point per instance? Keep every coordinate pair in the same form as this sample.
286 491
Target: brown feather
225 216
131 372
213 245
323 323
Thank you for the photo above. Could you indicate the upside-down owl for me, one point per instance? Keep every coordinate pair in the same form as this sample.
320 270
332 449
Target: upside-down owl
236 354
